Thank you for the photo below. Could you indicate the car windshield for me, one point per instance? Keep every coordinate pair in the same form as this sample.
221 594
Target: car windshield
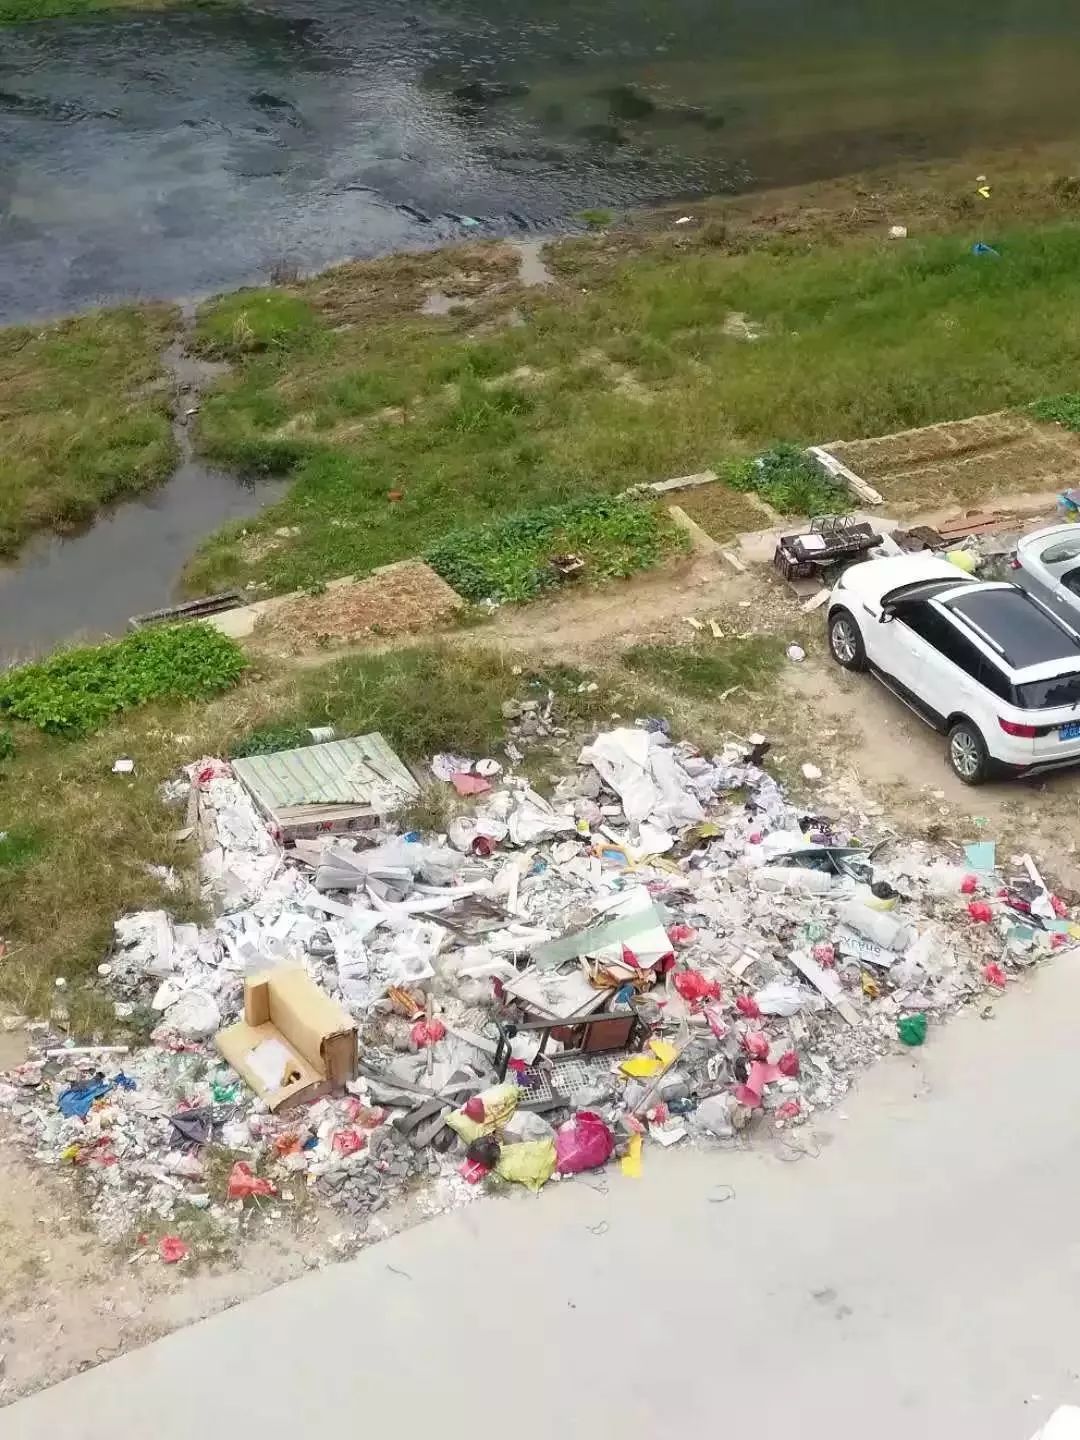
1063 550
1046 694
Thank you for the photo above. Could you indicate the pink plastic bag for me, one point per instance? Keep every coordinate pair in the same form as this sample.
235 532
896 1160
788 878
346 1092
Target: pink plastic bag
583 1143
171 1249
980 912
427 1032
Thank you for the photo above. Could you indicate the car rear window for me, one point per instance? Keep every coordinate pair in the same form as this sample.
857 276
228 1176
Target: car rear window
1026 634
1063 550
1046 694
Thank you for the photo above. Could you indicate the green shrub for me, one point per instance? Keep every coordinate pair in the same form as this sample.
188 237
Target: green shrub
1062 409
787 479
75 691
7 745
266 739
510 559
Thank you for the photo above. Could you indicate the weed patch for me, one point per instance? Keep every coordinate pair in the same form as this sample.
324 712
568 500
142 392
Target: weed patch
75 691
1061 409
265 739
708 670
787 479
511 559
249 321
19 845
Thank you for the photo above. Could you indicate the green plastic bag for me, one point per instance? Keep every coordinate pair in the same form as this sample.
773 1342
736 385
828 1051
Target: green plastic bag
530 1163
912 1029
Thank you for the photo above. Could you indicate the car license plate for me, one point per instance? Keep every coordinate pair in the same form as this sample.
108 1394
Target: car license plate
1070 731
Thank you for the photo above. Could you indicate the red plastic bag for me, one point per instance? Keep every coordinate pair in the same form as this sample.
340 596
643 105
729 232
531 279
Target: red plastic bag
693 987
788 1110
347 1142
583 1143
788 1064
748 1006
969 885
681 934
427 1032
243 1183
171 1249
824 952
995 975
979 910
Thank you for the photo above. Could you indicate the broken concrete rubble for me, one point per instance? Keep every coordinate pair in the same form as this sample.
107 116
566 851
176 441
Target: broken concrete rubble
661 894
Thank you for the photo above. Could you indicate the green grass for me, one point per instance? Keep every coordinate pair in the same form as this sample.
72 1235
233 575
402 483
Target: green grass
76 691
708 669
511 559
84 417
19 12
471 418
787 479
1061 409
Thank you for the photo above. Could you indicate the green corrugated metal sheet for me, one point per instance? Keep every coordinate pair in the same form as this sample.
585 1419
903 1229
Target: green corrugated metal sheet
361 771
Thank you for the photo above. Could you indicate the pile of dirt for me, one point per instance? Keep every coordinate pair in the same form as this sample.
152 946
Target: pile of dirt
968 461
392 600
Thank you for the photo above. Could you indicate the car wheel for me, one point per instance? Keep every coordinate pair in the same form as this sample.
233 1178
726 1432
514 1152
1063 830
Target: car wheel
968 754
845 642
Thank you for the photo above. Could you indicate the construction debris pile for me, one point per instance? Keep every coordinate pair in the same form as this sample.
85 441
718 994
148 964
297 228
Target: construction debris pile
665 950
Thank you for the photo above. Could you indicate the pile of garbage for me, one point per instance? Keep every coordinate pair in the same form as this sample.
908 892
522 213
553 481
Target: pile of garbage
665 950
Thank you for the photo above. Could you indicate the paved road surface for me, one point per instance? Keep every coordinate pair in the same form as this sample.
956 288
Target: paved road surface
921 1276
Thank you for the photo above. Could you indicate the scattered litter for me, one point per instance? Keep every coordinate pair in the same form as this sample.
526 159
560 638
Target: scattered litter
898 232
667 950
796 652
123 766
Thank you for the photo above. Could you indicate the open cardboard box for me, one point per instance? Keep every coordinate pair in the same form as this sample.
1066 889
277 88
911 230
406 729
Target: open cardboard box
293 1043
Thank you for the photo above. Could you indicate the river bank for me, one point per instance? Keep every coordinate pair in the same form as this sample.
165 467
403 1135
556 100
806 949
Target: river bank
381 404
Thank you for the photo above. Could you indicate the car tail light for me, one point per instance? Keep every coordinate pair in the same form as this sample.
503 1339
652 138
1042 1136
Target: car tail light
1025 732
1014 563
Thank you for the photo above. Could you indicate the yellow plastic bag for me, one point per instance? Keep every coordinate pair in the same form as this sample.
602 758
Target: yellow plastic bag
643 1067
499 1104
529 1163
630 1164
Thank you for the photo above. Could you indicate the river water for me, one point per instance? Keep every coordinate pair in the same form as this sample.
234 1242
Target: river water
181 153
178 153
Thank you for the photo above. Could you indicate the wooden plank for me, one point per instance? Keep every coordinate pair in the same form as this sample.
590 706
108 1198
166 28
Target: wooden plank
839 471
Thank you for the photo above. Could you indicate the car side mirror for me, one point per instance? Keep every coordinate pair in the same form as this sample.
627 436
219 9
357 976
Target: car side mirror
886 615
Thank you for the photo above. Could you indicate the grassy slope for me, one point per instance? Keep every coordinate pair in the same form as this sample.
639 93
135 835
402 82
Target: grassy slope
19 12
84 417
628 378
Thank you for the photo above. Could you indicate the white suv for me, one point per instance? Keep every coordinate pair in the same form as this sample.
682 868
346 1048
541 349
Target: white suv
985 663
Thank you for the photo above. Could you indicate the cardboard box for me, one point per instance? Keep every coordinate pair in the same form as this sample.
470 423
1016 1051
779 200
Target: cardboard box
294 1041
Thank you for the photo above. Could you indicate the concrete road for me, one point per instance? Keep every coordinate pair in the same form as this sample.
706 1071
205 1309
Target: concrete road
918 1274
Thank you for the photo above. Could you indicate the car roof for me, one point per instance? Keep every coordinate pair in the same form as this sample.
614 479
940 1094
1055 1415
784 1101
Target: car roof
1037 538
1015 628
